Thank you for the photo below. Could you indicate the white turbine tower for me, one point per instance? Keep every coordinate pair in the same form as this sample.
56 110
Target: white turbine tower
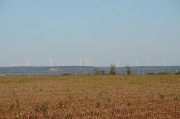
27 62
45 63
117 63
165 62
137 63
39 63
86 60
80 61
11 64
51 61
148 62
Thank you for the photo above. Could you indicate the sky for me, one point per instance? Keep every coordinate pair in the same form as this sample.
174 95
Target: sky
89 32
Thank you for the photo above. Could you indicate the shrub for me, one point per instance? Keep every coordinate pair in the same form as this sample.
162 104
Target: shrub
112 70
129 71
164 73
62 105
178 73
150 74
43 107
12 107
66 74
98 104
1 110
161 97
98 71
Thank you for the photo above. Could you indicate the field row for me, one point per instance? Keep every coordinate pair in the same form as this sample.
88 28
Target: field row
90 97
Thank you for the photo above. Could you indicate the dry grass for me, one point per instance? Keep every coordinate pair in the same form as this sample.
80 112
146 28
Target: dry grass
90 97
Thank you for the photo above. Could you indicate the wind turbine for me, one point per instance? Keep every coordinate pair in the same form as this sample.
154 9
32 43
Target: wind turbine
165 62
51 61
80 61
117 63
148 61
143 71
137 63
45 63
27 62
11 64
91 63
39 62
86 60
97 63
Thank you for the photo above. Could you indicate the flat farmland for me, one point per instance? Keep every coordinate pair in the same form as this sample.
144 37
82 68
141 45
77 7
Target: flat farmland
103 96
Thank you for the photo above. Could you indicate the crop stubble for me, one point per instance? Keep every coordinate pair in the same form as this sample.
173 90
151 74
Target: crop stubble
90 97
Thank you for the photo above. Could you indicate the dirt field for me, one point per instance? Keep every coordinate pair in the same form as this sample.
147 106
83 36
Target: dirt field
90 97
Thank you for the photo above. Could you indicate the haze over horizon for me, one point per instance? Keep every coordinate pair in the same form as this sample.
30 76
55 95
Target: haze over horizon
60 32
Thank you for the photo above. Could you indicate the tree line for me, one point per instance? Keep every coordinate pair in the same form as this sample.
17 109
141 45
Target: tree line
112 71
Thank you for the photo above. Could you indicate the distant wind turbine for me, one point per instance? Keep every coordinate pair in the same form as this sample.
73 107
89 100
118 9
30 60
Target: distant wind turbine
80 61
39 62
117 63
137 63
51 61
148 61
86 60
27 62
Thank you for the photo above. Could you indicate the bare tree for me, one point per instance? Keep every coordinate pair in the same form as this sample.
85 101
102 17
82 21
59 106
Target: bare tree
98 71
129 71
112 70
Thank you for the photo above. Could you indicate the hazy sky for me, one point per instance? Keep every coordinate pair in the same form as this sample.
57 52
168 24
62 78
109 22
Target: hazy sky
123 32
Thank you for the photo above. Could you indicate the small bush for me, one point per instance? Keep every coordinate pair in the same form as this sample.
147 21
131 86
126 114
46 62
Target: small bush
112 70
43 107
161 97
62 105
164 73
128 103
177 98
12 107
1 110
98 71
150 74
129 71
178 73
98 105
66 74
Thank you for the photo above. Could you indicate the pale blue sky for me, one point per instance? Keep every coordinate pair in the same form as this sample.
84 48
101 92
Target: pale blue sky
123 32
